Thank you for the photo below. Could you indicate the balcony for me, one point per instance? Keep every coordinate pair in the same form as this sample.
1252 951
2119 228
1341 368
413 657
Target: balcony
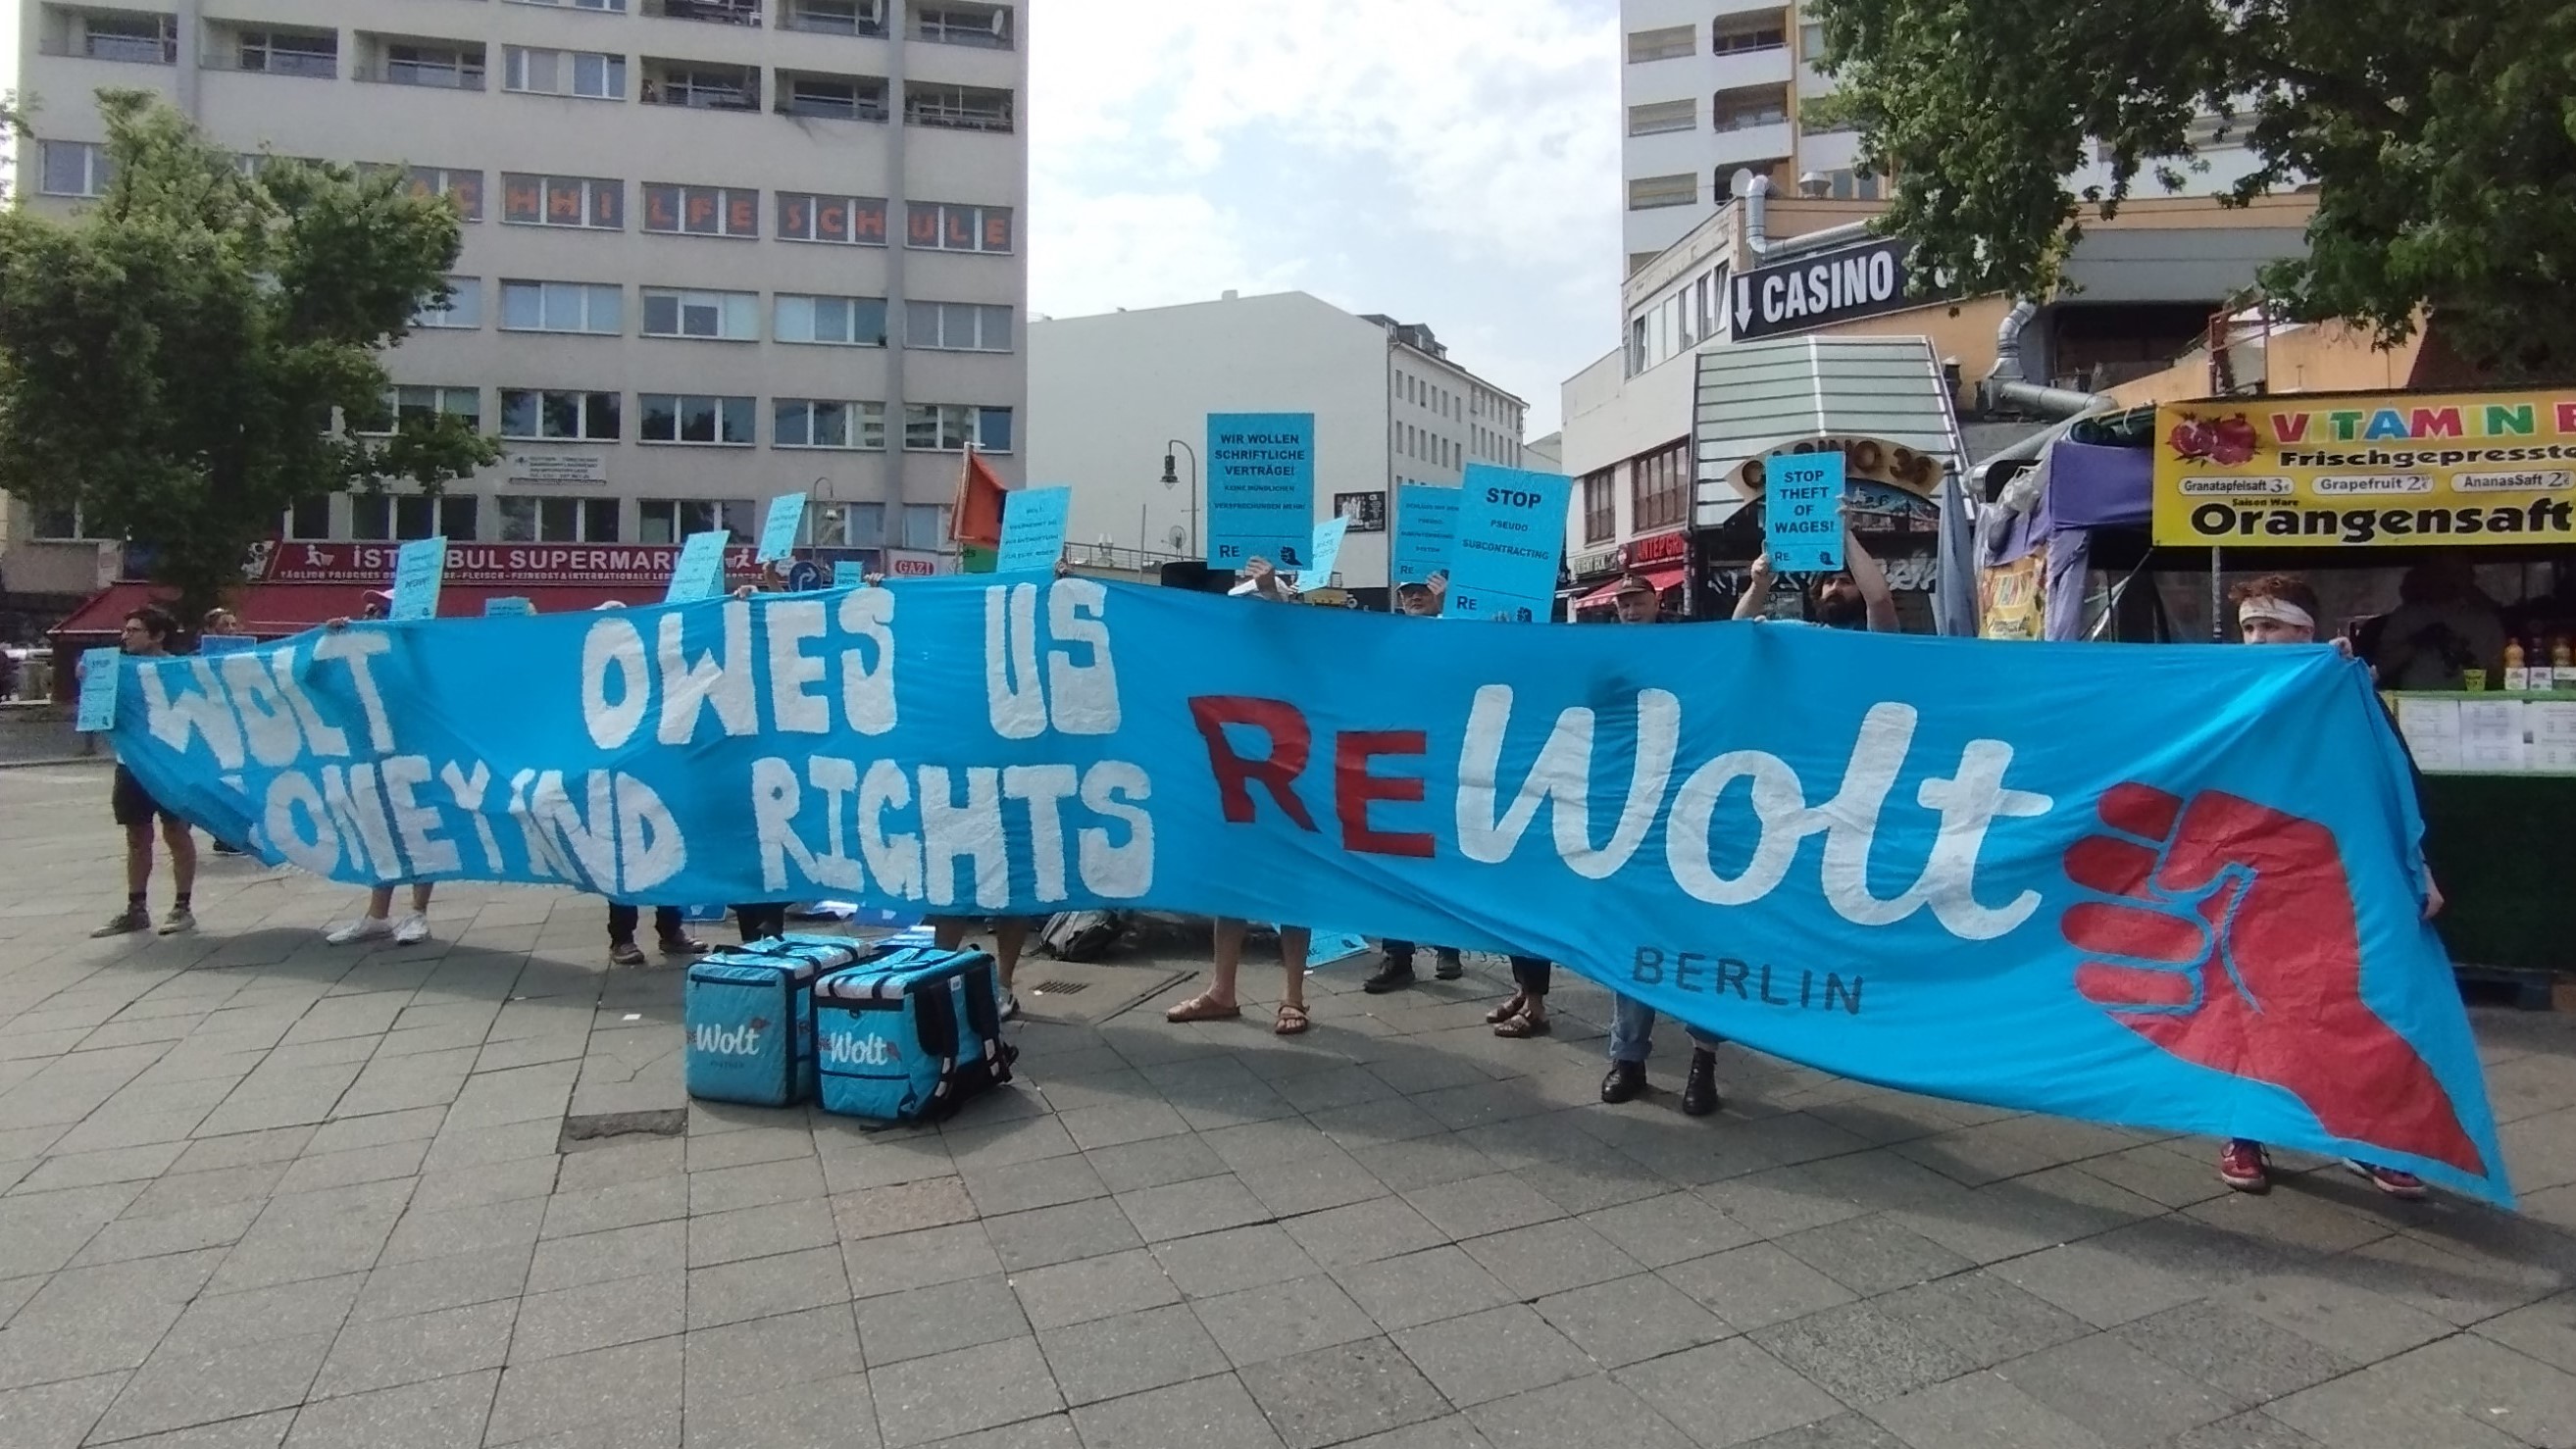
833 17
313 55
1769 65
711 12
986 26
437 64
130 36
958 108
831 97
701 86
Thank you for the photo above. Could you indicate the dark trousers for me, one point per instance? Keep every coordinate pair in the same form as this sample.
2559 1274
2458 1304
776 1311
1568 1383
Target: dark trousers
1531 974
621 923
761 922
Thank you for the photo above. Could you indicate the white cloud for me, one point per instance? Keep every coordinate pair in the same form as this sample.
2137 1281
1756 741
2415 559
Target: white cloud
1181 147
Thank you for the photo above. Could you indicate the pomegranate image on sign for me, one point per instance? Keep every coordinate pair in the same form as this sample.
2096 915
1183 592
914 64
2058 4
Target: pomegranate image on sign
2224 441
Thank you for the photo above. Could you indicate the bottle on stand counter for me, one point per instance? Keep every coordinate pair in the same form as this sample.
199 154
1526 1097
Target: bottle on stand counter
2562 661
2517 675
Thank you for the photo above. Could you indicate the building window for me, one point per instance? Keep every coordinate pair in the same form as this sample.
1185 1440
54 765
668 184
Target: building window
941 226
713 421
957 326
845 220
725 316
446 67
121 35
840 98
804 422
63 525
408 406
615 7
1658 488
1847 184
951 427
1657 117
988 26
558 520
835 321
598 308
284 52
462 311
552 415
590 74
592 202
1645 193
1600 506
1669 43
672 520
701 210
703 89
405 517
1741 110
833 17
76 168
957 108
1740 34
463 189
1811 42
310 519
846 525
925 525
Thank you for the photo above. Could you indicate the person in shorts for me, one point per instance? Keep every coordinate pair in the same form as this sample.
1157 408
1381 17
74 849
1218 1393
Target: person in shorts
148 632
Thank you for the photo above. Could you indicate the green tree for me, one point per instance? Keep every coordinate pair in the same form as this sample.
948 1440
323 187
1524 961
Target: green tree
2440 140
200 348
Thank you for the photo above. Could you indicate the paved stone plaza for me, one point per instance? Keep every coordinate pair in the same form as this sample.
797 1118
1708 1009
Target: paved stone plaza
256 1190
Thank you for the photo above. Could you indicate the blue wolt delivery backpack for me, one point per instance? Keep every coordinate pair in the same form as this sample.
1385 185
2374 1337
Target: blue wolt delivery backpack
749 1019
910 1035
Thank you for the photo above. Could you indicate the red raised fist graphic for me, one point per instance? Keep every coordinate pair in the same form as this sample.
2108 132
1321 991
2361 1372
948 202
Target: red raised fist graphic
2230 942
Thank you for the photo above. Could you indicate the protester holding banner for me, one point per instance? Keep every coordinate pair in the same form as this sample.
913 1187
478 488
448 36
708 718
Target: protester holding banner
1419 601
1010 938
220 623
148 632
2282 609
378 922
1855 598
669 927
1217 1002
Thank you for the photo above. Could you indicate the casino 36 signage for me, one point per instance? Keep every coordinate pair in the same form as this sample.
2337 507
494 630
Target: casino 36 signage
2363 470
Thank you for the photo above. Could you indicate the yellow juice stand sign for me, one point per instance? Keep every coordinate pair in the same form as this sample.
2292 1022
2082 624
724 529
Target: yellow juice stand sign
2353 471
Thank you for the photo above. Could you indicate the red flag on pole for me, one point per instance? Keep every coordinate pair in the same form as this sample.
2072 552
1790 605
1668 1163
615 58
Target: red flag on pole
976 514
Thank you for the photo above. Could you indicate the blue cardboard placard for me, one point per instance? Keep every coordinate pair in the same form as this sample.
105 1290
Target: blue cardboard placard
1260 489
1033 523
1326 553
1426 529
1511 539
778 530
226 643
701 567
846 574
418 571
102 672
1802 521
510 608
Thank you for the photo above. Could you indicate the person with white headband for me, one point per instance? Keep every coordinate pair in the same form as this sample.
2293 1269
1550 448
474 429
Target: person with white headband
2282 609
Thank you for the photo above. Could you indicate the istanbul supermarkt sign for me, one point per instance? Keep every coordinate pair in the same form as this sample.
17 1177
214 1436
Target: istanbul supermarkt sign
2314 470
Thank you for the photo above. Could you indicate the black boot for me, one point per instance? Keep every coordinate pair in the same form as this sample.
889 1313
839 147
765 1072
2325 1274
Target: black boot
1395 975
1448 967
1699 1089
1626 1083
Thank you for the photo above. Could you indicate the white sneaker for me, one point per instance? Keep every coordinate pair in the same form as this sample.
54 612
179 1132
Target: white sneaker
1010 1005
411 930
365 928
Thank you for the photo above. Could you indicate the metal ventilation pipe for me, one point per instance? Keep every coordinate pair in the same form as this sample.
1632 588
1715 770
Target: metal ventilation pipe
2006 383
1754 189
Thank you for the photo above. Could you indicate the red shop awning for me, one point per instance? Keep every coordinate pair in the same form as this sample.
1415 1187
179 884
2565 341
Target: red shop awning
1663 578
275 611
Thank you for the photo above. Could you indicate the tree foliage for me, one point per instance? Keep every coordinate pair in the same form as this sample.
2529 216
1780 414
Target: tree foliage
199 349
2440 140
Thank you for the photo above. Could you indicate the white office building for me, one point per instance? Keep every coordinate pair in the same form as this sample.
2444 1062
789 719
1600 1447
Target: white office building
714 250
1715 89
1110 397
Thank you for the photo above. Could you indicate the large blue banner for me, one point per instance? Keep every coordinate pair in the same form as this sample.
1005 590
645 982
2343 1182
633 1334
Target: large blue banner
1886 857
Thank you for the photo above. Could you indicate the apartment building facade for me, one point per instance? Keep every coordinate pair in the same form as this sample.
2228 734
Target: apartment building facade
714 250
1112 396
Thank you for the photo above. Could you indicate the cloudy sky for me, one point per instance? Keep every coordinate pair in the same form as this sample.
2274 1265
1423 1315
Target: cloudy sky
1450 162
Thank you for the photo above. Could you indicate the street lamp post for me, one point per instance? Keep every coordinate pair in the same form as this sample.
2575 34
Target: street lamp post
1172 479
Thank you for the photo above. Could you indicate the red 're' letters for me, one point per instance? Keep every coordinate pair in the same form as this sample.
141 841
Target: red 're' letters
1355 789
1291 741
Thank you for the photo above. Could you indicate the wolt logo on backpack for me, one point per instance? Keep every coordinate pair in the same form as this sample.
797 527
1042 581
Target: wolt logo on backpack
740 1041
859 1051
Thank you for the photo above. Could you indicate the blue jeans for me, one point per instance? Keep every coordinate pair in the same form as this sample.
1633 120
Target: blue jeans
1632 1031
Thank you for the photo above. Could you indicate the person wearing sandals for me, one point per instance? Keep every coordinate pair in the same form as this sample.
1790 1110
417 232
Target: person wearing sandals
1218 1002
1525 1015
